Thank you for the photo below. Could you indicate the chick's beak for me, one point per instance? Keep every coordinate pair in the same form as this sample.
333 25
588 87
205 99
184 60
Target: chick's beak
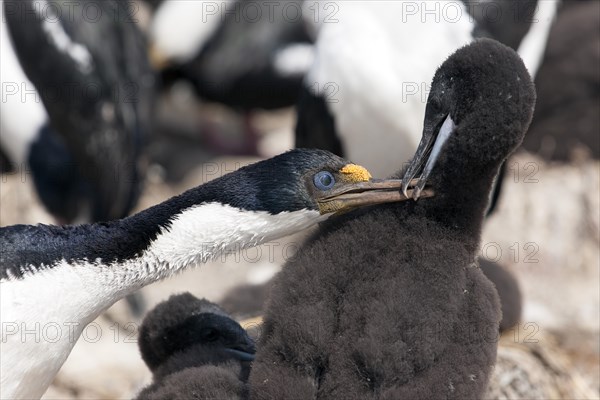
359 194
244 350
434 137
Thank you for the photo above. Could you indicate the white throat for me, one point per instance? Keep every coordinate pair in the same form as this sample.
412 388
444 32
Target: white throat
204 232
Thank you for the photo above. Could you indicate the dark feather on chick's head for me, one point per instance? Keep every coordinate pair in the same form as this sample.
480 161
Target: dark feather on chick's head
183 322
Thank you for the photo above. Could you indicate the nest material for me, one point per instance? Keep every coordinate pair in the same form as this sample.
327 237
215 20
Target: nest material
533 370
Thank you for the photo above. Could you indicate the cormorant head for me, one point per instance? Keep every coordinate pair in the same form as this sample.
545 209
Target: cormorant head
480 105
184 322
303 179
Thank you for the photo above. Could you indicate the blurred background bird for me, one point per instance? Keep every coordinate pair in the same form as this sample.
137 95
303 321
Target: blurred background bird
89 113
240 54
94 88
237 81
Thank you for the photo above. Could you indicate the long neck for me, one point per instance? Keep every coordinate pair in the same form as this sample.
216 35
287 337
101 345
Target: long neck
461 198
123 256
204 232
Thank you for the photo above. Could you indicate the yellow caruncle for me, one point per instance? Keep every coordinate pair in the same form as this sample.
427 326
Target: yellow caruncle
355 173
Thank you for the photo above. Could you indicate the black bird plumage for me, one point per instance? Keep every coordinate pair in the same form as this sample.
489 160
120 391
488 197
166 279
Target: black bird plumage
60 185
389 302
506 21
97 86
566 117
185 342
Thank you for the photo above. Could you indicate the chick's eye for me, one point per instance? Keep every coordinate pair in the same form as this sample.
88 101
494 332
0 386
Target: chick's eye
324 180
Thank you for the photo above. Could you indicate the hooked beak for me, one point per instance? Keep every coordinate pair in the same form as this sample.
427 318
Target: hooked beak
428 152
372 192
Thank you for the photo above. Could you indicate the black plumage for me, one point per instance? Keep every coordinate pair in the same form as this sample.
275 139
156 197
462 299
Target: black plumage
153 4
506 21
566 118
58 181
5 164
89 64
389 302
201 383
315 125
194 350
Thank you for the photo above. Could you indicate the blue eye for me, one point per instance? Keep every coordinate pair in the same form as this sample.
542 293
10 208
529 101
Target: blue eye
324 180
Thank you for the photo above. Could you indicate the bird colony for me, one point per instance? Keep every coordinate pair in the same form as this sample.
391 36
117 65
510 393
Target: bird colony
307 199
